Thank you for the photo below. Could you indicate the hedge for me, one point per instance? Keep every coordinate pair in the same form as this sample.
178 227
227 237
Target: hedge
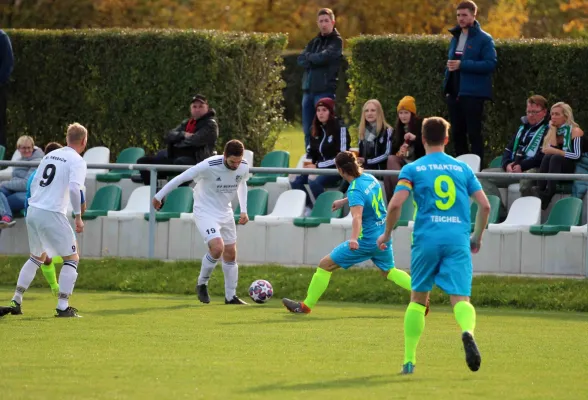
390 67
355 285
129 87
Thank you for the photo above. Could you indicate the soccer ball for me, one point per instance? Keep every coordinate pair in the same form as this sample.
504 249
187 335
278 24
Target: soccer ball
261 291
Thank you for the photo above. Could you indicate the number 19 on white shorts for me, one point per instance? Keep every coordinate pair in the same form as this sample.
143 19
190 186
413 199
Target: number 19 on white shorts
210 228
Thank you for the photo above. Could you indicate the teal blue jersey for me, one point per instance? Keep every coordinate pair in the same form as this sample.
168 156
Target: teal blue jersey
442 187
365 191
28 195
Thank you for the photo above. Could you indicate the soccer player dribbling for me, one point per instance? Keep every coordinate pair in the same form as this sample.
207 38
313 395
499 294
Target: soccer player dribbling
218 180
442 245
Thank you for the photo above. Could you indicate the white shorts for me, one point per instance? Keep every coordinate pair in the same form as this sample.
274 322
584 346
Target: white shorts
50 232
215 227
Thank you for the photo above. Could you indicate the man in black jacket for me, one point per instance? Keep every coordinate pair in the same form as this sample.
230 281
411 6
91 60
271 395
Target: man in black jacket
190 142
321 60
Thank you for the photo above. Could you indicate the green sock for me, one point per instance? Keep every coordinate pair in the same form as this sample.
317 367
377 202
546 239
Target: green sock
414 325
400 278
318 285
49 273
465 315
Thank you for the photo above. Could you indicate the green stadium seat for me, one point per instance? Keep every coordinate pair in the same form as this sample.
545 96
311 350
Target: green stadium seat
107 198
178 201
564 214
130 155
494 211
2 152
496 162
274 159
257 200
407 212
321 212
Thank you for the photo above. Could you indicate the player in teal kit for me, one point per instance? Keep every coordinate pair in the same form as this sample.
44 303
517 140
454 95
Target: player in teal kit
368 210
442 246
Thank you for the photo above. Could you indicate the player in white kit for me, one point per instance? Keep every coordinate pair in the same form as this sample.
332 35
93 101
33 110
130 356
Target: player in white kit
217 178
57 181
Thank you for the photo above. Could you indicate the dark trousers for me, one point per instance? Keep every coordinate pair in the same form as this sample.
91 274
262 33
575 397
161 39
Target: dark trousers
465 115
161 158
3 95
316 187
553 164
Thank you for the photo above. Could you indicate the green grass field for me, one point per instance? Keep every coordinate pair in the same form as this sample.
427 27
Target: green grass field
142 346
292 140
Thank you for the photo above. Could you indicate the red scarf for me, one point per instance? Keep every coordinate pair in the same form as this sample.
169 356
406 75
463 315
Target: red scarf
191 126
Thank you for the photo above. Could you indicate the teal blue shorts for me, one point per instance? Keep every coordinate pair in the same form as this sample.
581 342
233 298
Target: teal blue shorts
447 266
344 257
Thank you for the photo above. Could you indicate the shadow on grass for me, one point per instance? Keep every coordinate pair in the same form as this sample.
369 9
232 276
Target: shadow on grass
138 310
289 318
370 380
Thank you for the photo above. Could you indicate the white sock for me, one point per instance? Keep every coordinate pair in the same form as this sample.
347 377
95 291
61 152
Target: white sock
67 281
208 264
25 277
231 271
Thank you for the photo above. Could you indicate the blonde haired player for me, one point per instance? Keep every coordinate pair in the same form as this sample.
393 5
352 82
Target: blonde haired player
57 181
218 179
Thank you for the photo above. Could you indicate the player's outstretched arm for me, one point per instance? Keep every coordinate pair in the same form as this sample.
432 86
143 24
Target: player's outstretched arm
186 176
481 218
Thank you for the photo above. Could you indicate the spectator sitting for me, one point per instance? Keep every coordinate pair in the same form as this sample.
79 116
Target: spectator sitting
407 144
562 146
189 143
13 191
329 137
375 137
524 153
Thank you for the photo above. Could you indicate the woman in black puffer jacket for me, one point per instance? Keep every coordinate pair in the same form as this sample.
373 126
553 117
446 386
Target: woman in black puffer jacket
329 137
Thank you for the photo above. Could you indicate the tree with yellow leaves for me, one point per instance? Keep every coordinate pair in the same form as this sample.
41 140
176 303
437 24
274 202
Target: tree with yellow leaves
507 18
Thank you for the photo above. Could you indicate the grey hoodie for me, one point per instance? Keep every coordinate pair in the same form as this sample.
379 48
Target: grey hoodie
20 175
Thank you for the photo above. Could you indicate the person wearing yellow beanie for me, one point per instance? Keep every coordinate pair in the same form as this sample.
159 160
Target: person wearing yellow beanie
407 145
407 103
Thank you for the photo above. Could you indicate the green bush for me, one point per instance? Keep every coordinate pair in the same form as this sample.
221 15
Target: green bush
129 87
390 67
355 285
292 75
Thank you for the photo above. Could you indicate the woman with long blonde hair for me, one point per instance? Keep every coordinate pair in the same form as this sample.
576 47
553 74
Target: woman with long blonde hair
375 136
563 145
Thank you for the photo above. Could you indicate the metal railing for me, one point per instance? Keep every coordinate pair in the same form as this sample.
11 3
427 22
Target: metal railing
153 169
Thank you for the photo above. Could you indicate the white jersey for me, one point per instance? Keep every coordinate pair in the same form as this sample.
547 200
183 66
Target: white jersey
50 186
216 186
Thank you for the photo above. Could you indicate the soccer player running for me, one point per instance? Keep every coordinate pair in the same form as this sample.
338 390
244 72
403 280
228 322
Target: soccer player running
58 180
442 246
48 266
217 178
368 210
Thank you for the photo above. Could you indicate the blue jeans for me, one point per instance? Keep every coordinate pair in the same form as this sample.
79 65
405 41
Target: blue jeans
11 201
316 187
309 101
